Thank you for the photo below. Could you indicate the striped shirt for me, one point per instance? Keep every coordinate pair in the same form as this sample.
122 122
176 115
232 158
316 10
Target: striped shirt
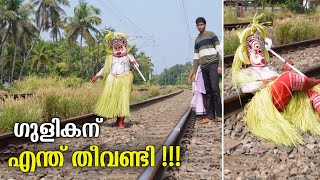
206 50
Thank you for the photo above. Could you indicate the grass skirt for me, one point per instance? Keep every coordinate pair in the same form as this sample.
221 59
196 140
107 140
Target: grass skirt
266 122
115 99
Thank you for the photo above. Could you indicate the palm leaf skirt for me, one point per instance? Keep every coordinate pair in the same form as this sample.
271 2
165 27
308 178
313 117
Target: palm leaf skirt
266 122
115 99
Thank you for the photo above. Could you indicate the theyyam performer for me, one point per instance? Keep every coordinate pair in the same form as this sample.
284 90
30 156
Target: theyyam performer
115 99
284 105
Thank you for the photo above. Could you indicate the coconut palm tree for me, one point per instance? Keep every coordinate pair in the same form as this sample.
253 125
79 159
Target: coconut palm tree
40 57
48 14
18 27
85 17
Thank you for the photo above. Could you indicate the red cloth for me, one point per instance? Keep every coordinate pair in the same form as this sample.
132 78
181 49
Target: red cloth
314 97
280 91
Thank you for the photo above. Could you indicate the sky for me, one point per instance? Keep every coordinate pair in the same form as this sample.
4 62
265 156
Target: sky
164 29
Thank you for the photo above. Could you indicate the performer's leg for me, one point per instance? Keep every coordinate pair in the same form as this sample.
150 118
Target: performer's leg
121 122
288 82
314 97
117 122
298 82
214 82
207 85
310 83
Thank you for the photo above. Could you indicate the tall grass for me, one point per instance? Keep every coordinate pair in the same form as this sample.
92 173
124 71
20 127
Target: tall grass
12 111
296 29
230 16
32 83
283 32
231 41
67 102
154 90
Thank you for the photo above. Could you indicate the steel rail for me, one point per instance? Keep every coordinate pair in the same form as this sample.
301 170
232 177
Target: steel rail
232 26
156 172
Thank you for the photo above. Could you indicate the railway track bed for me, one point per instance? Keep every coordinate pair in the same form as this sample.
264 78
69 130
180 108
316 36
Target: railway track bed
201 152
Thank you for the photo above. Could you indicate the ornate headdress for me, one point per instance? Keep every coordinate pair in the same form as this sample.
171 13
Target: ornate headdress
251 49
112 37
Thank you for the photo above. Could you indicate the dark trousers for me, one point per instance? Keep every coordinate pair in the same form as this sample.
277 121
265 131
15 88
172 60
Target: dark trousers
211 83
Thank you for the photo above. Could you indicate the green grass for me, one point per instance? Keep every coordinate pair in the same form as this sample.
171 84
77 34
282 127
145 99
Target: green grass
284 31
229 16
231 42
32 83
297 29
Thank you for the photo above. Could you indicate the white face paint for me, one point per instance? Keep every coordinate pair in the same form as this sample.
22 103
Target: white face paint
255 46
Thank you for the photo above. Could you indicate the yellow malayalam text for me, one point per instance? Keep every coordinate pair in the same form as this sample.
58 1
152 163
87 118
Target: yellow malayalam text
28 160
114 159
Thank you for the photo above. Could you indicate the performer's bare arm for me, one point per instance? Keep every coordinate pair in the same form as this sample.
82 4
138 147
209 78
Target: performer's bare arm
252 87
99 74
191 77
133 60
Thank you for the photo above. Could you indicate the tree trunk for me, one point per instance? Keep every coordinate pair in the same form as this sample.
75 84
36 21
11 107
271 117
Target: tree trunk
4 38
92 63
97 60
2 61
25 59
81 60
13 63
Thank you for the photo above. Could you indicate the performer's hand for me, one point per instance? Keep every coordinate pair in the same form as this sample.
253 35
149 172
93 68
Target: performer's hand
273 78
190 79
219 70
94 79
193 77
266 81
134 62
286 66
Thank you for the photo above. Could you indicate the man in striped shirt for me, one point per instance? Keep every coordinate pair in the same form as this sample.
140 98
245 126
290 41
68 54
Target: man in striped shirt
207 53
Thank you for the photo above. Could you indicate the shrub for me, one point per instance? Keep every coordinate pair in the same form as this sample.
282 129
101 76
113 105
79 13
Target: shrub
154 90
231 42
23 110
294 30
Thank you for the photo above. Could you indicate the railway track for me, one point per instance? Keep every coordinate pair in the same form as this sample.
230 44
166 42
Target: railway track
230 27
15 96
201 152
143 129
246 157
25 95
281 49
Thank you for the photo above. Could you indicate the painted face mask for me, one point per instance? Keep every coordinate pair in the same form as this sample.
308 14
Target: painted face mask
119 46
255 46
